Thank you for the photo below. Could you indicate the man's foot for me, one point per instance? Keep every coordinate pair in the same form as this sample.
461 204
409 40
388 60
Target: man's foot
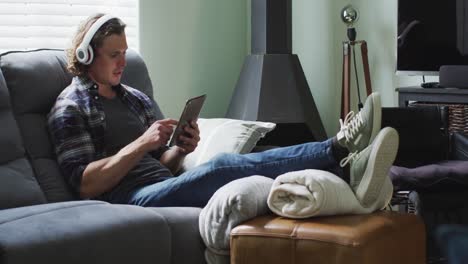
358 130
370 167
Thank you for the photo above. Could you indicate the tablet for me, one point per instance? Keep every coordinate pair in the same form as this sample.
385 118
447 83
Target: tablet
191 111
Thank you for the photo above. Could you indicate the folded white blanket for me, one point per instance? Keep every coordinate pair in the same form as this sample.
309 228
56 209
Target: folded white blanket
306 193
214 258
233 203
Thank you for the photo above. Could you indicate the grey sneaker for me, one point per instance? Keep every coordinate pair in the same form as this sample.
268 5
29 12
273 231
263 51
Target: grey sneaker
385 196
370 167
358 130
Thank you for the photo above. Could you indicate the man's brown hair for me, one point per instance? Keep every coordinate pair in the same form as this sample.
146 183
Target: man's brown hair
111 27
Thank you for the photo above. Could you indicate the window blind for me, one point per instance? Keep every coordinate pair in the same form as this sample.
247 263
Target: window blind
34 24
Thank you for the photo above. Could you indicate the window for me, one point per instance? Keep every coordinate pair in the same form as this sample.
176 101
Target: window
34 24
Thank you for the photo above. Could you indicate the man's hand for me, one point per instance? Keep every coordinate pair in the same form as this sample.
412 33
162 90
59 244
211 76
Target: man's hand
158 134
188 141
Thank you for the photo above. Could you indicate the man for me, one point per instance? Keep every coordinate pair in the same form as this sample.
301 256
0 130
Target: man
110 146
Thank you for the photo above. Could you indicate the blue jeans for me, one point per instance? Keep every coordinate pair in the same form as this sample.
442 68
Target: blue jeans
196 186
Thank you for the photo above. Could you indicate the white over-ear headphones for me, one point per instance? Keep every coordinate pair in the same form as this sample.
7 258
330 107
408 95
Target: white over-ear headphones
84 52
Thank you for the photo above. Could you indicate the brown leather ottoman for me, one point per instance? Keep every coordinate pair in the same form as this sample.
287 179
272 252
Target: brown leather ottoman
383 237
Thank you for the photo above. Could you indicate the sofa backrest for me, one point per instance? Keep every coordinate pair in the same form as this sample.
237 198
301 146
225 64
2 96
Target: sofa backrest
423 134
18 186
34 80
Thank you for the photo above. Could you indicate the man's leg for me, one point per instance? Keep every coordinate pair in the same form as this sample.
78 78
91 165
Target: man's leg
195 187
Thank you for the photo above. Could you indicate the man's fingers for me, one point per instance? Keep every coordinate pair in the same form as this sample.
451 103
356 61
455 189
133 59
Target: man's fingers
189 141
194 124
190 130
166 129
167 121
193 133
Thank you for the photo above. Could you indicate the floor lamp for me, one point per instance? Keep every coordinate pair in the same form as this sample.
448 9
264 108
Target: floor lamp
349 15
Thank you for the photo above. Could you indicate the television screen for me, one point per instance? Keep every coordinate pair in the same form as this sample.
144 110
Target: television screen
430 34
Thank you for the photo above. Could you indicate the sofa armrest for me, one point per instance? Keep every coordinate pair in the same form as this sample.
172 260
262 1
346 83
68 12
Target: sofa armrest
83 232
185 234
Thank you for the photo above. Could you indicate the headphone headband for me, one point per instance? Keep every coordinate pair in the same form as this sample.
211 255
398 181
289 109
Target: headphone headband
84 52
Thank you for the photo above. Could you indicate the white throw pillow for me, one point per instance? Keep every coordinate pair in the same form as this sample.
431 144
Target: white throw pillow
222 135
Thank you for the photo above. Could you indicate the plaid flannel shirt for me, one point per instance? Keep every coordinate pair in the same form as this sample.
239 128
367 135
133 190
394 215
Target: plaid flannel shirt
77 125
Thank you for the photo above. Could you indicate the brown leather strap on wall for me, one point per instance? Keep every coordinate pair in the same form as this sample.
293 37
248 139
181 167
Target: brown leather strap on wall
365 63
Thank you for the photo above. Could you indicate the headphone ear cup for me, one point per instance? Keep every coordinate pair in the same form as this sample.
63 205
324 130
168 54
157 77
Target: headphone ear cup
81 54
90 55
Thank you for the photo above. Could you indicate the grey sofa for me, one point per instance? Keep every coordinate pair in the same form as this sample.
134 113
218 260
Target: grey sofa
41 221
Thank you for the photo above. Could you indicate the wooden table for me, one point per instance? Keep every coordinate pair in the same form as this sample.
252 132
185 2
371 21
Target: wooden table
431 95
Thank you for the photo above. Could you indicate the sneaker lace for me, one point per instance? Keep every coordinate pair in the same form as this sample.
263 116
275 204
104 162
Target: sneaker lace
351 126
351 156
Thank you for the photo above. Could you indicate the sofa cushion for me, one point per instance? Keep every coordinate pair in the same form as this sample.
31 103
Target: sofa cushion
84 232
34 80
18 187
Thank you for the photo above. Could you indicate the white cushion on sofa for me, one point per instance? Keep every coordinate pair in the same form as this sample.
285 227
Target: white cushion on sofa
222 135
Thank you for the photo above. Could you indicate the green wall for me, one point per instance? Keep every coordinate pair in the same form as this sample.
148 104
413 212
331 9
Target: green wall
193 47
198 46
315 41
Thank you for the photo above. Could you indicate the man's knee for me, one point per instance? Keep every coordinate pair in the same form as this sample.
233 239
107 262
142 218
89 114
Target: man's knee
223 158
